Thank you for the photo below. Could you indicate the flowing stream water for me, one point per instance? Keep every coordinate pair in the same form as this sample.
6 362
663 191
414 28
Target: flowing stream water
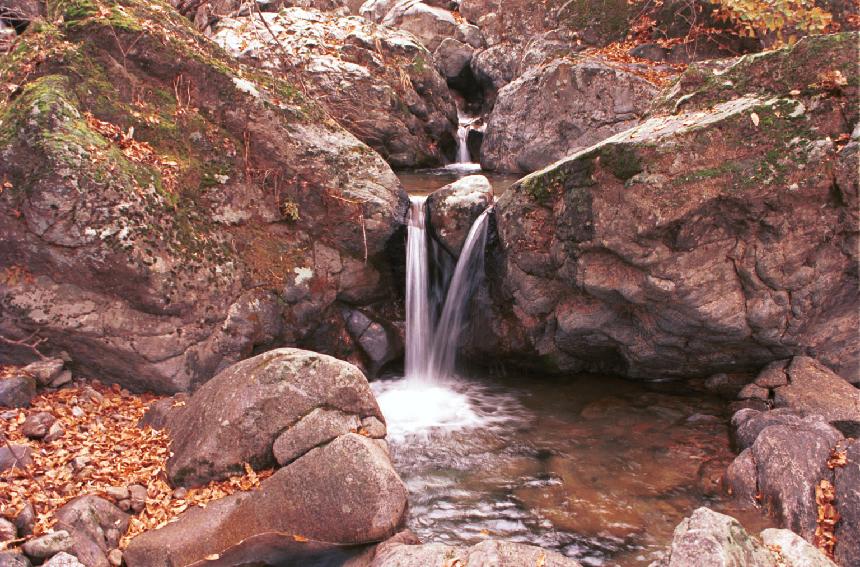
599 468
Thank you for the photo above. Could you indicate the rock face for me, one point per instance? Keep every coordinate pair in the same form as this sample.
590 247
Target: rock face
453 209
165 224
795 551
430 24
236 417
345 492
812 388
381 84
694 243
553 110
785 457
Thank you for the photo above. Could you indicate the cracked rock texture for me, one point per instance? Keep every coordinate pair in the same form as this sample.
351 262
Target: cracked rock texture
171 211
718 239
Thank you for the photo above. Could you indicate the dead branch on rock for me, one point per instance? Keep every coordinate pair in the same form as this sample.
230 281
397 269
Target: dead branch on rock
27 343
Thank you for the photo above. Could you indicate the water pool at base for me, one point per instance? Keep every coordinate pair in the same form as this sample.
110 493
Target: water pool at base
596 467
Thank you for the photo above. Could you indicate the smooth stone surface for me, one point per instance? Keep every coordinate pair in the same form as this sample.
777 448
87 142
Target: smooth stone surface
794 550
95 526
452 210
48 545
318 427
17 391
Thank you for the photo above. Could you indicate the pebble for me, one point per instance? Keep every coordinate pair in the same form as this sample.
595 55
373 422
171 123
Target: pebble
54 432
37 425
48 545
117 493
138 497
115 557
77 411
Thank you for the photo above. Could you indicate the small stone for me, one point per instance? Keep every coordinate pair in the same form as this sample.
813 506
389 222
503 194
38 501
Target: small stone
37 425
115 557
61 380
754 391
8 531
48 545
17 391
63 559
124 505
180 493
17 456
78 412
26 520
138 498
45 371
14 559
78 463
54 432
92 394
117 493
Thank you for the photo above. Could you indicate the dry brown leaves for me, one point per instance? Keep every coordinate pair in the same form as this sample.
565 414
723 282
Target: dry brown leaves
101 425
136 151
825 540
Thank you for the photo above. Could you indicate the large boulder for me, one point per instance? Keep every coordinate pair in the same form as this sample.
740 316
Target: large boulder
812 388
168 210
452 210
553 110
430 24
236 417
712 240
716 540
17 390
404 552
345 492
380 83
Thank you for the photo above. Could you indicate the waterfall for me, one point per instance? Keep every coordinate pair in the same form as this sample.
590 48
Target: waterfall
419 337
431 346
463 141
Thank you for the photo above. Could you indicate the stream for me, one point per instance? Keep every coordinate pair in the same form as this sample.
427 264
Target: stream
599 468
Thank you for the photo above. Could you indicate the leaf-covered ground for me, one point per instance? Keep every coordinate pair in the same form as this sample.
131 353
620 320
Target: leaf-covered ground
100 424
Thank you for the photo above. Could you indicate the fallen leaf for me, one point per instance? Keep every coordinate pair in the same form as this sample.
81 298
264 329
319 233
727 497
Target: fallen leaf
754 118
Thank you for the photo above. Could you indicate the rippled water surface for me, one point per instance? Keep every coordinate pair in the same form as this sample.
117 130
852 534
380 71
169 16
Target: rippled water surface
599 468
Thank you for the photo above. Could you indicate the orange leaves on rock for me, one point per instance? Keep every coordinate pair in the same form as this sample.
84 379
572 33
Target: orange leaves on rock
827 516
300 538
839 458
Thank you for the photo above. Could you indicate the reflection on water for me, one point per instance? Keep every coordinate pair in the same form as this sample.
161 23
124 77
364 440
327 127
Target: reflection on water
598 468
425 181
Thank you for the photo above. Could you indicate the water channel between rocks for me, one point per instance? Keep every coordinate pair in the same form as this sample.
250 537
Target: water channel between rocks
599 468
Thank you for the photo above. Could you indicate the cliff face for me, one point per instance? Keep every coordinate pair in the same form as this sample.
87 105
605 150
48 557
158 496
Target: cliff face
718 235
166 210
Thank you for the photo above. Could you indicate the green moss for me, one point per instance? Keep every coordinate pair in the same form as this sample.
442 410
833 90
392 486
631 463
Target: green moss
621 160
419 64
609 18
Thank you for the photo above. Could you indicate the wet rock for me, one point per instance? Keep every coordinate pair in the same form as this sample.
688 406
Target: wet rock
318 427
714 539
379 82
13 559
64 559
8 531
38 424
17 391
15 456
740 477
553 110
236 417
848 505
815 389
453 57
726 385
45 371
790 461
452 210
48 545
345 492
630 255
94 525
794 550
378 343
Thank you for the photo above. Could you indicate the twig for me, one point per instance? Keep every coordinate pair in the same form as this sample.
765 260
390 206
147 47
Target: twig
24 343
16 460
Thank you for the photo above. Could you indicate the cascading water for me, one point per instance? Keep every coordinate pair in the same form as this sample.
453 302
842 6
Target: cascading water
429 397
463 140
431 348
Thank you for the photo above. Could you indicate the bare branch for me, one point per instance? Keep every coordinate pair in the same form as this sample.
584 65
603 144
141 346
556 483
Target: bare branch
27 343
